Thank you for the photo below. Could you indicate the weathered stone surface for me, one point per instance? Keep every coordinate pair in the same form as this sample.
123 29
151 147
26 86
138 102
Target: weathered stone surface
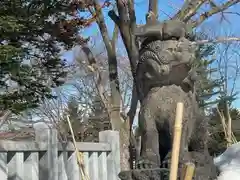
164 63
205 168
145 174
156 120
164 30
165 76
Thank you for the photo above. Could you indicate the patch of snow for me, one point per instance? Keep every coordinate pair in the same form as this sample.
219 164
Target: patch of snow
229 163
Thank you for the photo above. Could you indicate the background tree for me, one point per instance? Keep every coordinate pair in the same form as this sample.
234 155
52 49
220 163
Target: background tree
206 86
218 141
84 90
224 118
32 37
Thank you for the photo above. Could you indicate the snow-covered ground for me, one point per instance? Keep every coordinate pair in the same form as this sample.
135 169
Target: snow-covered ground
229 163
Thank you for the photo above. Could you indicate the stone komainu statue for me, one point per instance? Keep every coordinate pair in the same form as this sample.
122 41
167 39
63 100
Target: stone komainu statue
165 76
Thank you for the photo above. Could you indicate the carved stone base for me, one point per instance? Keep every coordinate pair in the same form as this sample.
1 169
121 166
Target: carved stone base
205 168
145 174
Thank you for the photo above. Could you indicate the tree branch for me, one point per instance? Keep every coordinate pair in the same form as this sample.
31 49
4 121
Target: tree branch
152 14
188 9
122 10
129 40
114 17
126 27
214 10
114 37
94 68
113 70
132 15
4 116
193 11
217 40
133 58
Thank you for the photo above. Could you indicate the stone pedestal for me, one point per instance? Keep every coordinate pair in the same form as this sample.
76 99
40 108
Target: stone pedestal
145 174
205 168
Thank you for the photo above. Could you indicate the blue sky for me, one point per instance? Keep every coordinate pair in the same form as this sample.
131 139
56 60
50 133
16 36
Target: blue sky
168 8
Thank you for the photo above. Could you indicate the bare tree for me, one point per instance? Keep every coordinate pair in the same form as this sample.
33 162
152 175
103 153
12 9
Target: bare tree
229 71
87 79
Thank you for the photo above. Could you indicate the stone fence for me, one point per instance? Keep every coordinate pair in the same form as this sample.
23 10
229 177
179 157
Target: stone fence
48 159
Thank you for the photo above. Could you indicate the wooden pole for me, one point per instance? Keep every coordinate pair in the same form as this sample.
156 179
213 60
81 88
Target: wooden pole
79 154
187 171
176 141
229 127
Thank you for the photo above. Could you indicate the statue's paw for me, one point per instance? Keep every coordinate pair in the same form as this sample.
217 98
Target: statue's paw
145 164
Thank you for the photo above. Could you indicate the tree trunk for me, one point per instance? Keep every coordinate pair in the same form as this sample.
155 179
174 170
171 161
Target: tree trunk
115 98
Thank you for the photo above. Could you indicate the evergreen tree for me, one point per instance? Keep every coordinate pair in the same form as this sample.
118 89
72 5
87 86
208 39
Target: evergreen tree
209 95
218 142
207 86
98 119
99 116
75 115
32 34
85 129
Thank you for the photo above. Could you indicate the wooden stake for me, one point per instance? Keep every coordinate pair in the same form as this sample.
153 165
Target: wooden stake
176 141
229 127
188 171
79 154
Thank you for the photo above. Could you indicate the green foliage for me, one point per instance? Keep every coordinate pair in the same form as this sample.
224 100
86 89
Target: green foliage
98 120
31 37
85 129
218 143
98 108
76 119
207 87
209 94
73 110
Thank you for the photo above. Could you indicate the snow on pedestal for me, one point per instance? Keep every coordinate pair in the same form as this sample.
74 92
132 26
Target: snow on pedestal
228 163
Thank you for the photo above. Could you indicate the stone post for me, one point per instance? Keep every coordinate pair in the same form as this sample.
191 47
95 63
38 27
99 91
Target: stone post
113 158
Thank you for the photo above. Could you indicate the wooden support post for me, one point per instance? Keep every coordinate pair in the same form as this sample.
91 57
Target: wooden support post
187 171
176 141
